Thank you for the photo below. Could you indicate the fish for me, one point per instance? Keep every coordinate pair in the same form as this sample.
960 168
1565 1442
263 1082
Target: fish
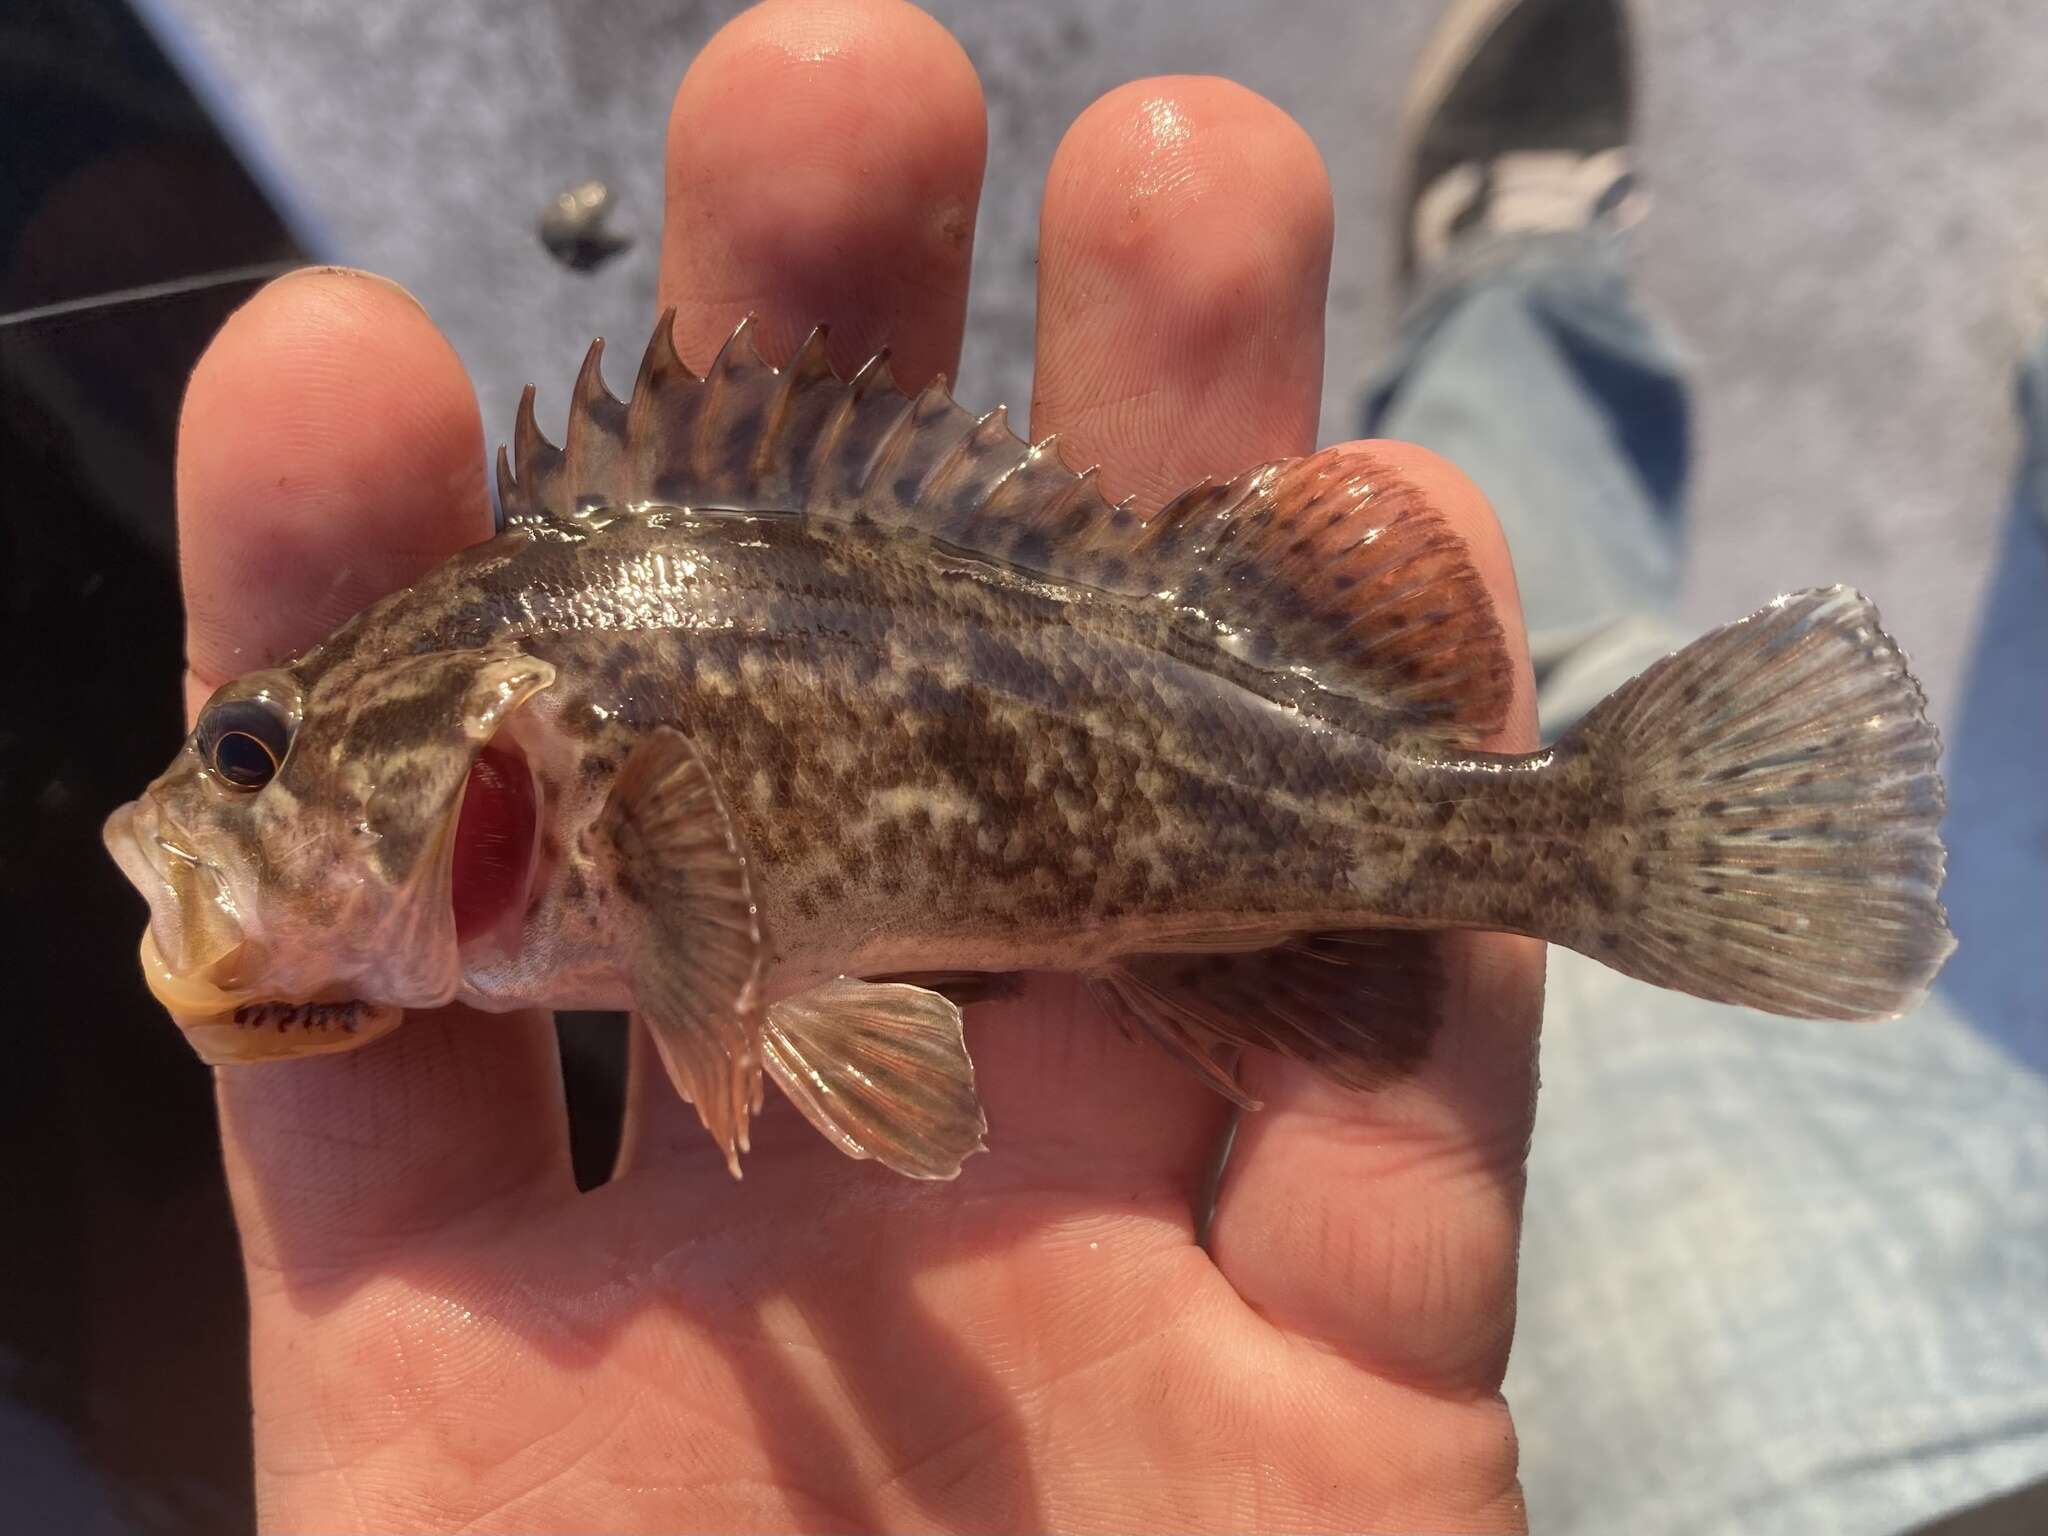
789 712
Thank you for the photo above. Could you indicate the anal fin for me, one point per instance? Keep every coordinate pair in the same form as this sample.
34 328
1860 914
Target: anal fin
699 955
1361 1007
881 1069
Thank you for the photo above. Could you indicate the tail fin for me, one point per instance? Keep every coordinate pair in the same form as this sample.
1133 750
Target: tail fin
1782 799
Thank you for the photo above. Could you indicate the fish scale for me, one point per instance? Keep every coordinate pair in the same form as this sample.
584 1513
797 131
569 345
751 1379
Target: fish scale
829 702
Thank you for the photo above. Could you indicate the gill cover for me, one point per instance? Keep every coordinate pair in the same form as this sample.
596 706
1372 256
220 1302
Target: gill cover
302 915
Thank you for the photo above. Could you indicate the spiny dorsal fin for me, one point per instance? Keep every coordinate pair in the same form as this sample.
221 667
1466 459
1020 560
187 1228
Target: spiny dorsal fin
1328 564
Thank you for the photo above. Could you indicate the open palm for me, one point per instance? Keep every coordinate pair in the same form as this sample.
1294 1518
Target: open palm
446 1333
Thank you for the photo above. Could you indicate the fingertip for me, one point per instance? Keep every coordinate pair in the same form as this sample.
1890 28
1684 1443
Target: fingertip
329 450
825 164
1184 265
1150 154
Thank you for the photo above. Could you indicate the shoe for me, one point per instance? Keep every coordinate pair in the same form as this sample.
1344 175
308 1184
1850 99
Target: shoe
1518 120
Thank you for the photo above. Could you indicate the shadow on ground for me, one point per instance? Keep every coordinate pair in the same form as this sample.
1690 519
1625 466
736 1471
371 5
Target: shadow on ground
1997 770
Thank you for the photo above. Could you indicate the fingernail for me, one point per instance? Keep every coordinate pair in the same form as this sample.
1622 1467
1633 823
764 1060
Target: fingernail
357 274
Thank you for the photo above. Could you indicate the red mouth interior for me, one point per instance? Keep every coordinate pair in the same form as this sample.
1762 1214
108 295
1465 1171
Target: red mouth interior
493 842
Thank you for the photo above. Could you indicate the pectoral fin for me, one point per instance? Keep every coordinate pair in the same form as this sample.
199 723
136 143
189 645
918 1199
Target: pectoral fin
700 948
881 1069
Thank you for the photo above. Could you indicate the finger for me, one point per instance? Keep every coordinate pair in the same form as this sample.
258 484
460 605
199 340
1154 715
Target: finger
1183 257
824 165
1183 265
330 451
1384 1225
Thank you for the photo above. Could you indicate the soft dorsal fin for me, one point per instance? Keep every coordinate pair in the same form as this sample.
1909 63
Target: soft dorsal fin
1329 565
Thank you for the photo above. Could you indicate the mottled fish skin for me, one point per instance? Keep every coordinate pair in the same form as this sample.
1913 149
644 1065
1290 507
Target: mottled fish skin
980 773
813 680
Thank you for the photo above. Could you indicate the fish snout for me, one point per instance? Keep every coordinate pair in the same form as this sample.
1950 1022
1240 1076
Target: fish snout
199 963
194 939
193 920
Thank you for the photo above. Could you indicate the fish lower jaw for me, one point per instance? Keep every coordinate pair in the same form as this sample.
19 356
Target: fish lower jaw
281 1031
228 1028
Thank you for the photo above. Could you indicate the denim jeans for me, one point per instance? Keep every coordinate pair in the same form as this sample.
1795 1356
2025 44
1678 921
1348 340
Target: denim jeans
1777 1276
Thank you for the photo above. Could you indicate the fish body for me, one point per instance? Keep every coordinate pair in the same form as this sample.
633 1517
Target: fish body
784 705
934 766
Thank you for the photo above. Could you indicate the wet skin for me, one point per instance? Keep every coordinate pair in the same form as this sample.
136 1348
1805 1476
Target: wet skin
444 1331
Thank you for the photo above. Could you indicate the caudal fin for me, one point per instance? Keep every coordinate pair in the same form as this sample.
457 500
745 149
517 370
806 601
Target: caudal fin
1782 804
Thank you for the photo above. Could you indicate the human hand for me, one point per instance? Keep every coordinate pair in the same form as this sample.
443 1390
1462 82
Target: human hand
445 1333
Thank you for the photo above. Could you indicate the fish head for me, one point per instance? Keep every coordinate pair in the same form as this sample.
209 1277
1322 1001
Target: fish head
299 854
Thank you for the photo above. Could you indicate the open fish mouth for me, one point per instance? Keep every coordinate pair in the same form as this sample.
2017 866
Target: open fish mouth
492 856
196 957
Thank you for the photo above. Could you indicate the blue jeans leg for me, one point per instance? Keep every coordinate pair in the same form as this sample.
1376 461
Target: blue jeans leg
1777 1277
1528 364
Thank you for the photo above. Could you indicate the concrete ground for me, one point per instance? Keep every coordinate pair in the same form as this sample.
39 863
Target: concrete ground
1850 233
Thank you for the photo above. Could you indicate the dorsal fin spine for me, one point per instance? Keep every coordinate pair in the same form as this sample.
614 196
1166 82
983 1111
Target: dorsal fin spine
888 450
1326 568
740 349
830 453
508 491
988 433
805 369
873 375
526 438
711 418
1005 488
596 434
1082 486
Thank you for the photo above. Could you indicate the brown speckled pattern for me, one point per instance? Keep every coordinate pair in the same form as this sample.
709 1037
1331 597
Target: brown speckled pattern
967 717
954 752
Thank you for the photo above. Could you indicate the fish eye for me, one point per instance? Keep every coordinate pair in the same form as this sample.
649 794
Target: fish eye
244 741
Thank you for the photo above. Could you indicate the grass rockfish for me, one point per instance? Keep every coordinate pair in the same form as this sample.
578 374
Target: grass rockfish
785 709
